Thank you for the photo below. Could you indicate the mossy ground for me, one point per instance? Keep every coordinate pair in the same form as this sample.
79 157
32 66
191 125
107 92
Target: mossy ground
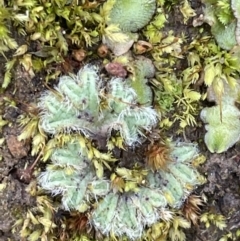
222 190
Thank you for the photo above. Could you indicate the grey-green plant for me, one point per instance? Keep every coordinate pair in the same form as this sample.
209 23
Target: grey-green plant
123 19
76 106
222 121
93 107
131 15
71 174
224 17
221 133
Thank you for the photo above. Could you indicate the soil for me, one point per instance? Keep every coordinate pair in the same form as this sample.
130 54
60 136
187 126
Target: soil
222 171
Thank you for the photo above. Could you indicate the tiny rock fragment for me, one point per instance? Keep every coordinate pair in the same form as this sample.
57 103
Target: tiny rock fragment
79 54
17 148
2 186
2 141
116 69
141 47
102 51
